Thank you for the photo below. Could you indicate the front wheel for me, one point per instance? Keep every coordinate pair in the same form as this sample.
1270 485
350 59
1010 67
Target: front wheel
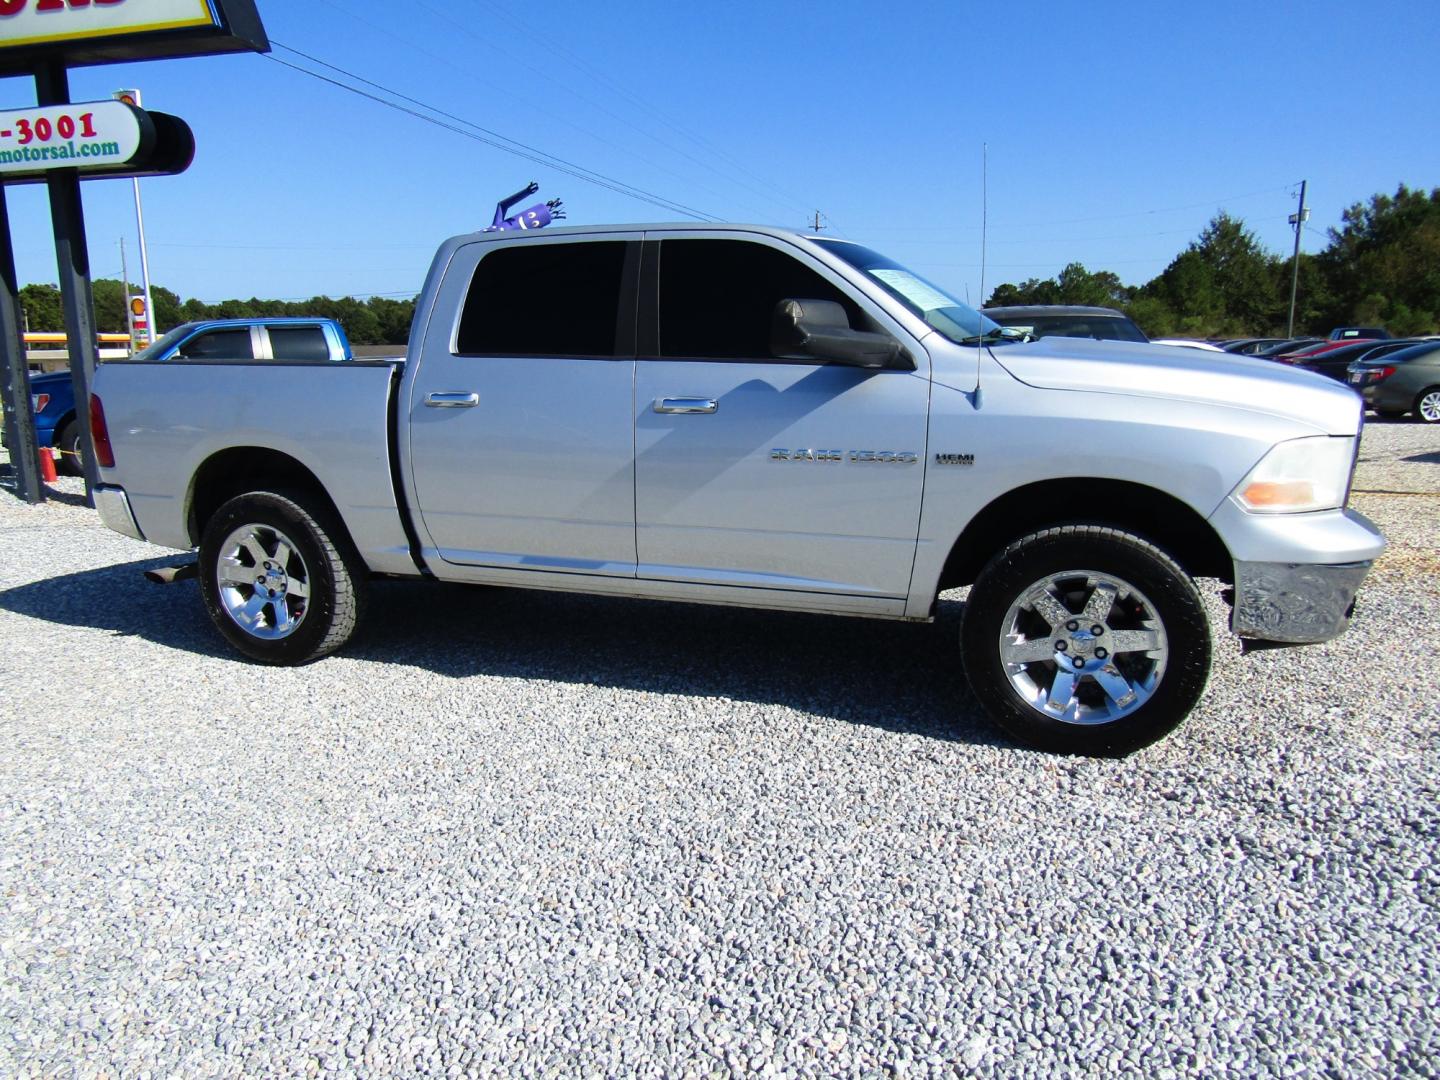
279 577
1085 640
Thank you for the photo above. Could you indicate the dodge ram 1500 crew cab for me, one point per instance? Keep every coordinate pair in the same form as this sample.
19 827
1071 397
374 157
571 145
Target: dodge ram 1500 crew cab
742 415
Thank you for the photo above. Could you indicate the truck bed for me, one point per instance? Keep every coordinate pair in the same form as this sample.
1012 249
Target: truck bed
167 420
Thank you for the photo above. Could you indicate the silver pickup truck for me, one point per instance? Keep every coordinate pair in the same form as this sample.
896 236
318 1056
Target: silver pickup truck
750 416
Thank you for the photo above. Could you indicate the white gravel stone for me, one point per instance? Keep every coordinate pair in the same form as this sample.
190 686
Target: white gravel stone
555 835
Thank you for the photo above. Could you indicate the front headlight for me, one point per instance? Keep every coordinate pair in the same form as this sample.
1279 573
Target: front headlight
1298 476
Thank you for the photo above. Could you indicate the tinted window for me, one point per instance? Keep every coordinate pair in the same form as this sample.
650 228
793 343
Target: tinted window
219 345
544 300
298 343
718 297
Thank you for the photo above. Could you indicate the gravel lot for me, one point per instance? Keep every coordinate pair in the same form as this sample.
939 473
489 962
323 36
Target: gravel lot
551 835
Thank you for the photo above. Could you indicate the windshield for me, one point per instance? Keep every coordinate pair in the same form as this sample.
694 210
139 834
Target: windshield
157 348
953 318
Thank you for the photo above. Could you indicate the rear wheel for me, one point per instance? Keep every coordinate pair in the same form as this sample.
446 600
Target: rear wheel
279 577
1085 640
1427 406
67 441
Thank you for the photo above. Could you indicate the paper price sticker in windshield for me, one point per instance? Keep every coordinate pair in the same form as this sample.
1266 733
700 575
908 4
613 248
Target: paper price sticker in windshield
925 297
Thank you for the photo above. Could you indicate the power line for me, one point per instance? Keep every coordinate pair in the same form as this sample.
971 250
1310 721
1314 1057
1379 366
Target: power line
589 132
605 82
488 137
1074 221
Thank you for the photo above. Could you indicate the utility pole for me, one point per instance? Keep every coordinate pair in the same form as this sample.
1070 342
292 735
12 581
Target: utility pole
132 97
817 226
125 296
1298 220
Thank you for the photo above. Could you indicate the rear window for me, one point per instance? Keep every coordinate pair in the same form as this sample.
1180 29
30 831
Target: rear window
1077 326
544 300
298 343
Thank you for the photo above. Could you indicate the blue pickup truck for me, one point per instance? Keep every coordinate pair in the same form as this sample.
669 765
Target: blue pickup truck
294 341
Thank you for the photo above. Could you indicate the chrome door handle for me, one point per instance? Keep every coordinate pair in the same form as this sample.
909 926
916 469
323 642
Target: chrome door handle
686 405
455 400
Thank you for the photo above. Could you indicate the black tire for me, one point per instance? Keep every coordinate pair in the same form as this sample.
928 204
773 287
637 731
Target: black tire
317 555
67 441
1426 403
1159 588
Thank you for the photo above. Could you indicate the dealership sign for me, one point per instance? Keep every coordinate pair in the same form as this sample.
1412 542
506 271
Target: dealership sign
91 135
96 138
77 32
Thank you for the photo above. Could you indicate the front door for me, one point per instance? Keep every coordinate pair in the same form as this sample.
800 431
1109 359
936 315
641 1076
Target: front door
761 472
521 419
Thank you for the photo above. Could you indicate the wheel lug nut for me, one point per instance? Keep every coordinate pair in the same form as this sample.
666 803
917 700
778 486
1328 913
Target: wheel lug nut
1097 629
1100 654
1072 626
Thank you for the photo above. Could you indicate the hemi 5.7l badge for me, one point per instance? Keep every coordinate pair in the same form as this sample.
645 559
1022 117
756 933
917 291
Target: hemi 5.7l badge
889 457
954 459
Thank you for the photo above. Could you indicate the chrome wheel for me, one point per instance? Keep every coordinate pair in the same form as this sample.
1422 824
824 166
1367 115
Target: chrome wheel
1428 407
1083 647
263 582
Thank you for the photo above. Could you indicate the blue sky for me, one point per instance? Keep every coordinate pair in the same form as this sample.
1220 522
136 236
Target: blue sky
1115 131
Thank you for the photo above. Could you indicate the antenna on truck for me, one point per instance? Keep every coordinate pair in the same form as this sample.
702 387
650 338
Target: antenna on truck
984 230
536 217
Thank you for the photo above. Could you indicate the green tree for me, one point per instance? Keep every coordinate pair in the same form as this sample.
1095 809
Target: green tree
44 312
1223 283
166 315
110 313
395 317
1383 263
1152 315
1073 285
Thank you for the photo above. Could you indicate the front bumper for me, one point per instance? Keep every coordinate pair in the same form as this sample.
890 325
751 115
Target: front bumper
1295 603
1296 574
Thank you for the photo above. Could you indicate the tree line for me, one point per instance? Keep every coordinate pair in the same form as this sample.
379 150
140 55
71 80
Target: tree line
376 321
1381 267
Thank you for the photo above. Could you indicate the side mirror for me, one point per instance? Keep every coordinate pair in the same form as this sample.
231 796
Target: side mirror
820 330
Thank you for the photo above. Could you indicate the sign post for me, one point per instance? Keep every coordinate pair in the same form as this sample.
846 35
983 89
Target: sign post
72 255
15 380
60 143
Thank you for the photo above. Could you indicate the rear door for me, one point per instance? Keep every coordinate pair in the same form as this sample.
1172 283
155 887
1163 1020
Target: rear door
760 472
521 422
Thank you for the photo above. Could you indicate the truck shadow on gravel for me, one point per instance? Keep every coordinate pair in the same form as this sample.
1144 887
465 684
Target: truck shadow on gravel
119 600
897 676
